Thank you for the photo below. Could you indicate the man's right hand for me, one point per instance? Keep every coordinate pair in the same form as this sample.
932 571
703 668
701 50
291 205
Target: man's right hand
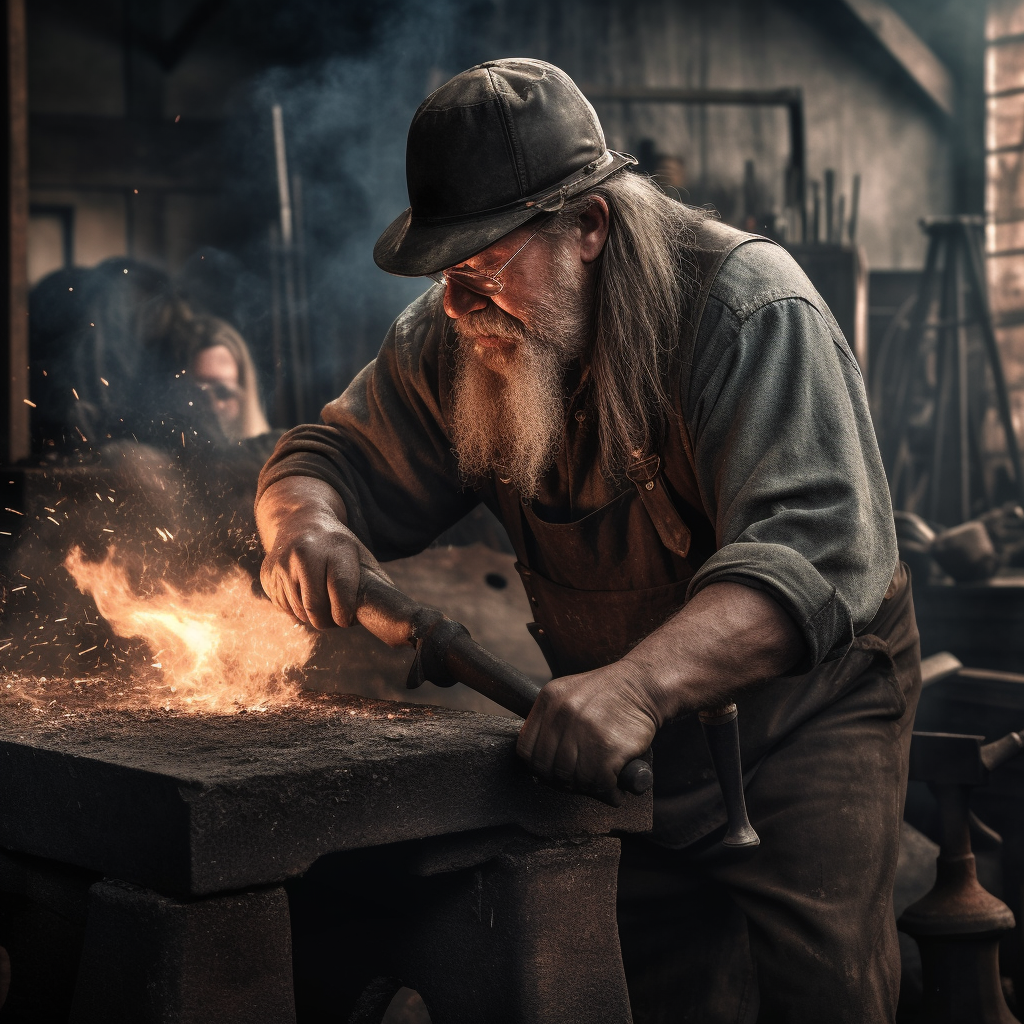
312 565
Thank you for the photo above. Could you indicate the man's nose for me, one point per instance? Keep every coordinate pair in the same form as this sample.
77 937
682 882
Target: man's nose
459 300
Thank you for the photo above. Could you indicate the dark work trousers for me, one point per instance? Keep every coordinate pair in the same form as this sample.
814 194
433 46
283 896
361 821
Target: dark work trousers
802 930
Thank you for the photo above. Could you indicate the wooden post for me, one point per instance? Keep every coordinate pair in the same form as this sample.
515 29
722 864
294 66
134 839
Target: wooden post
14 413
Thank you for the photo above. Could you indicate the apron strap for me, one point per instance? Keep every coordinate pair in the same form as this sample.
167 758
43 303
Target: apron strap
511 506
674 533
512 515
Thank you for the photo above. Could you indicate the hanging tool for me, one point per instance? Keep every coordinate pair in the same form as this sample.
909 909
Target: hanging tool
447 654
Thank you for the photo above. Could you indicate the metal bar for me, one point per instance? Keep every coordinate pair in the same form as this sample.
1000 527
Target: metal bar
797 172
281 166
301 288
297 372
830 205
1017 147
14 410
945 364
854 209
963 408
279 414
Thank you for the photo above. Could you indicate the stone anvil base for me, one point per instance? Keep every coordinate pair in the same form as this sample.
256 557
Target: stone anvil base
440 864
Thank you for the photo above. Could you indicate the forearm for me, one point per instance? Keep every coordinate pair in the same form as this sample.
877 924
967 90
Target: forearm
725 639
295 496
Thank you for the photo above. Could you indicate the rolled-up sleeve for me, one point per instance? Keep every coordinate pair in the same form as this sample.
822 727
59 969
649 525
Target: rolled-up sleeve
383 445
788 466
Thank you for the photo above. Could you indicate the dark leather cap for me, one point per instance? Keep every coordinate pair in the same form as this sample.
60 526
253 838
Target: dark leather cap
490 149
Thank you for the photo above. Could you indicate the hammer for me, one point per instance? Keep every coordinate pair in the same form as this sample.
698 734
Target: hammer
447 654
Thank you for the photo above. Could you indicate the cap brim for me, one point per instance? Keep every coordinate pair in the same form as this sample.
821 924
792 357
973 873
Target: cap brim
414 248
410 248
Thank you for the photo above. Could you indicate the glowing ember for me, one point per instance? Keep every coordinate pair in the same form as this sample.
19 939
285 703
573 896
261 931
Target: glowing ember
216 650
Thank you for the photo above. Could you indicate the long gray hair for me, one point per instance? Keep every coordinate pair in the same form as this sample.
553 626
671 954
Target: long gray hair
644 287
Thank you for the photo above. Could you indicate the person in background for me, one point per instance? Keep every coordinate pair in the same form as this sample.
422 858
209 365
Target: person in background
142 401
222 368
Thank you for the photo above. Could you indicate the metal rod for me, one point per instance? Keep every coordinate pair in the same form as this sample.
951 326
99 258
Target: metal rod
297 372
280 404
854 208
301 283
963 408
945 362
830 209
281 164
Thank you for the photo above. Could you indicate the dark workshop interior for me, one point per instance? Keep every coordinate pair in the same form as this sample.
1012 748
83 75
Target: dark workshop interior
213 813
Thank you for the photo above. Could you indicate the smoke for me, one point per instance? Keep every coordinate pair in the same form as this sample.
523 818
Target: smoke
345 123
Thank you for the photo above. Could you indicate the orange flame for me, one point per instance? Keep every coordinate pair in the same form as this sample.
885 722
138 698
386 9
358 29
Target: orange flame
217 651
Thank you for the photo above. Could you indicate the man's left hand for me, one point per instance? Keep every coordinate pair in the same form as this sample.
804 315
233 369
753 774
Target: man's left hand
583 729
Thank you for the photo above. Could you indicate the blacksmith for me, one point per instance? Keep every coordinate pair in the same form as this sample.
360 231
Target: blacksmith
671 427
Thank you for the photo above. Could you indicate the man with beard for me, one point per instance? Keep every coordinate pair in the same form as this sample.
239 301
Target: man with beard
673 431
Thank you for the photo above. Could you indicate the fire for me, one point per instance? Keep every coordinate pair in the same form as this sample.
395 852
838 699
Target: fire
216 650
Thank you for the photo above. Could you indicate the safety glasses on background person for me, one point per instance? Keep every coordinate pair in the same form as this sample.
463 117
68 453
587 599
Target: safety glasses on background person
220 391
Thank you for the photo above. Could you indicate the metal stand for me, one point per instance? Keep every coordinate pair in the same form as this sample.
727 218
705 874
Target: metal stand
933 383
958 924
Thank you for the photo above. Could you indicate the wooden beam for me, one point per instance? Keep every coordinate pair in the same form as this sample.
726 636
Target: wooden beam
908 49
14 412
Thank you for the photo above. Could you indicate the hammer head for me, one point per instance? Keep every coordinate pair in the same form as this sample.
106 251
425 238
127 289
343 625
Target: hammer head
947 758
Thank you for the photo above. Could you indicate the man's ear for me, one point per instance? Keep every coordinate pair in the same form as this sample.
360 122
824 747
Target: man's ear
593 229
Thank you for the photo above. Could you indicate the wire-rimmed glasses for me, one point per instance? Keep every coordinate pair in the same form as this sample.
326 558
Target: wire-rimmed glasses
476 280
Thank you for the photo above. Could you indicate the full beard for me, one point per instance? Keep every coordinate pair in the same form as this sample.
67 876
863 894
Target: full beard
508 400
